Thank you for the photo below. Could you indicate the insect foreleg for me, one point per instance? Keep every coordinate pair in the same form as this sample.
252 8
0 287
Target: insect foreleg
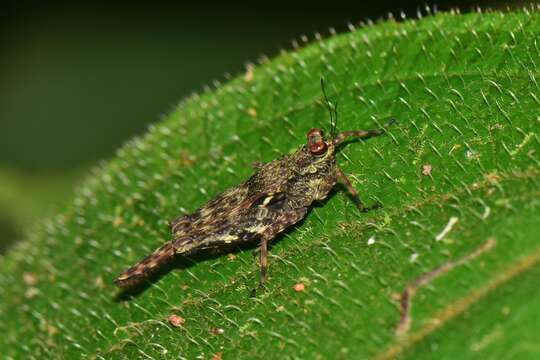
362 134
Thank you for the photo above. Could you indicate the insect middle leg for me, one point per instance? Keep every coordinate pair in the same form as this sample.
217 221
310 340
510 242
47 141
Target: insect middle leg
263 264
354 194
263 261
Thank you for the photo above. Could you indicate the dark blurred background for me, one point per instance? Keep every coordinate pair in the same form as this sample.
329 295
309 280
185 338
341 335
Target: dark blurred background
77 79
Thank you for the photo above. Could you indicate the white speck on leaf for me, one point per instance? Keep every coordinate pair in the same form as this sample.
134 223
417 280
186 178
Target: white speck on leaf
451 222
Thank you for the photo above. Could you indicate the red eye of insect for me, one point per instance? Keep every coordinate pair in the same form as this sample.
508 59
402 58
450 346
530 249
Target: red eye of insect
316 143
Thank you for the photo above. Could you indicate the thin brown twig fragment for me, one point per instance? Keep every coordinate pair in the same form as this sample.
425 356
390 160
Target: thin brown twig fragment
409 292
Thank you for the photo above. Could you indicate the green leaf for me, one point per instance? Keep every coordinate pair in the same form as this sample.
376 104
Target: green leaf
465 90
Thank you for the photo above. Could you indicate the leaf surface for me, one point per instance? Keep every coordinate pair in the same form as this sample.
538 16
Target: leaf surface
459 170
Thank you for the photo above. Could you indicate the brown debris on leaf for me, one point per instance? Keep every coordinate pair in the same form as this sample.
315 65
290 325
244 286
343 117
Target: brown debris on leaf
426 169
252 112
176 320
29 278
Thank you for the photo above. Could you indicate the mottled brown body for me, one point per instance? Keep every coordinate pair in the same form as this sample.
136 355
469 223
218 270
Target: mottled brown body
277 196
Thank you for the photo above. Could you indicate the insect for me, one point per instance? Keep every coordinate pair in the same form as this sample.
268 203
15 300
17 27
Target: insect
277 196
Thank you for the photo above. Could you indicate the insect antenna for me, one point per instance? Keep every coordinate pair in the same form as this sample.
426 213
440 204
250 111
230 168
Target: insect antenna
332 110
333 131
